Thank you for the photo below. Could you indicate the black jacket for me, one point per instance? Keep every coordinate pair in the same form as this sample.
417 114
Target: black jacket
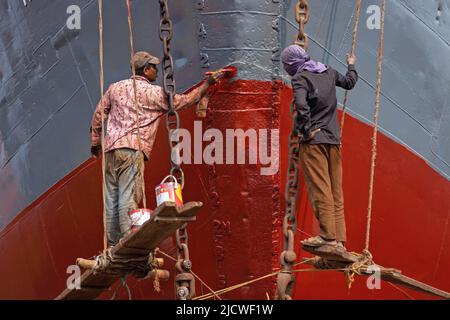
316 102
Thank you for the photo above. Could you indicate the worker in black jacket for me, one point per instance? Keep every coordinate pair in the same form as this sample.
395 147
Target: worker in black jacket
314 87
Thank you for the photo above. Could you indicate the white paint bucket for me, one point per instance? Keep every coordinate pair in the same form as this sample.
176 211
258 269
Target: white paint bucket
139 217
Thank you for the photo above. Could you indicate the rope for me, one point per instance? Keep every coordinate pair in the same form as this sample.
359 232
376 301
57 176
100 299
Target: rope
350 271
360 267
375 129
130 32
156 283
364 261
193 273
402 291
235 287
303 232
355 31
122 265
123 284
102 92
317 270
243 284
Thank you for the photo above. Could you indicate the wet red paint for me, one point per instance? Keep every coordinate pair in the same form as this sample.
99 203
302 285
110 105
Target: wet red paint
237 236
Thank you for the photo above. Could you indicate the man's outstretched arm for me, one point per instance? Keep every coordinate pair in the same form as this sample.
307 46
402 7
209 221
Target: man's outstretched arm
183 101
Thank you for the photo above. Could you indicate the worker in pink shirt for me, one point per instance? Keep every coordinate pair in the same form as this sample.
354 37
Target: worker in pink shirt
124 157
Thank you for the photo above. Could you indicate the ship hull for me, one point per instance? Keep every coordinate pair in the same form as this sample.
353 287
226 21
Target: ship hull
51 201
237 236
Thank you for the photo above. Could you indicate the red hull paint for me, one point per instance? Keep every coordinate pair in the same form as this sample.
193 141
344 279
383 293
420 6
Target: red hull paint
237 235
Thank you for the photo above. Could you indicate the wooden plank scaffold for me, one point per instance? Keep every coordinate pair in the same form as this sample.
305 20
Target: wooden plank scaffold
133 254
335 258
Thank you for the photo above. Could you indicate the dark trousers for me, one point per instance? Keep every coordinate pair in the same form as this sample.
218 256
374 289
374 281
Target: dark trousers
322 170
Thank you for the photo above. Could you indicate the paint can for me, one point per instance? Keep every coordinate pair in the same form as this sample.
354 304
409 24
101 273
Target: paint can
139 217
169 192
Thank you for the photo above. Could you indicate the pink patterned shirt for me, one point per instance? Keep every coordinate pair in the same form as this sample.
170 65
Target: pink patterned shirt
120 114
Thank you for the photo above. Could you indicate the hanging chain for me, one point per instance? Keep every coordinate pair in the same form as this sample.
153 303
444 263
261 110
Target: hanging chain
285 279
173 119
184 280
302 17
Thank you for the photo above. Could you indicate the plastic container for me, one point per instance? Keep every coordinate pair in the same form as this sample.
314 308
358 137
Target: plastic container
139 217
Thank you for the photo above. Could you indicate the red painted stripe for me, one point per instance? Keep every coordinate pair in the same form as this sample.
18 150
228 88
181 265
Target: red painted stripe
236 237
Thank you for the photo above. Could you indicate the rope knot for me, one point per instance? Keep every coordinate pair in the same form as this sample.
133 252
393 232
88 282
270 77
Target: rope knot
368 256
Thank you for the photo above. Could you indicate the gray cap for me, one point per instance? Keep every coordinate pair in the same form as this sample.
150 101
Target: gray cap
141 59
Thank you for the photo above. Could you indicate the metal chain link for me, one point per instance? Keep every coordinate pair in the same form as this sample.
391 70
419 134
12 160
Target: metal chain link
302 17
184 280
169 84
292 178
285 279
182 240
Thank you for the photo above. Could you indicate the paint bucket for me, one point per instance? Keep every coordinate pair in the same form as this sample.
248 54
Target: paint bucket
169 191
139 217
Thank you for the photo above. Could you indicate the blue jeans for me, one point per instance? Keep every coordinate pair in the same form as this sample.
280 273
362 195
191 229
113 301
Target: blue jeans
123 190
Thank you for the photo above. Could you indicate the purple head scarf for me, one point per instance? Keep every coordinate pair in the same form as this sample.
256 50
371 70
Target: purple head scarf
296 59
